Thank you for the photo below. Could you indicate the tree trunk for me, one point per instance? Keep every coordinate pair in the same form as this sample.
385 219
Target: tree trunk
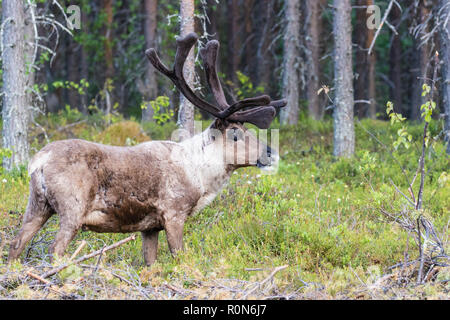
30 51
290 113
186 110
422 60
211 11
149 90
344 132
249 52
371 94
314 31
108 6
16 115
72 61
263 24
233 40
371 91
364 64
84 63
396 63
444 32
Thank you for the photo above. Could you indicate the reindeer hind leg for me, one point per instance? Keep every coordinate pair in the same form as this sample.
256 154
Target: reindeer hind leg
38 211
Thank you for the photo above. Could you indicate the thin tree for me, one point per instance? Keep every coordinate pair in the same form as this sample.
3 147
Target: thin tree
313 44
16 115
186 110
233 39
84 62
289 114
108 6
148 88
364 64
108 47
444 32
395 63
264 17
30 30
344 131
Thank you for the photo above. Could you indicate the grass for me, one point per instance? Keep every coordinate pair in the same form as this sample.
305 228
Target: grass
318 215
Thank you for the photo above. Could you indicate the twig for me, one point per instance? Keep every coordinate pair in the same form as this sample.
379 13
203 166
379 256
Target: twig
70 125
51 287
421 257
424 144
80 247
175 289
253 269
398 190
88 256
123 279
98 262
386 14
277 269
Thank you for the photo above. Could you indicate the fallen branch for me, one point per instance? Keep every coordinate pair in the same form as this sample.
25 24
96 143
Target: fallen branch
50 285
88 256
275 271
253 269
124 280
80 247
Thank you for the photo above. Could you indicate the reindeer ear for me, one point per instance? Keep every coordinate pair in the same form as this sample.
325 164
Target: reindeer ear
261 117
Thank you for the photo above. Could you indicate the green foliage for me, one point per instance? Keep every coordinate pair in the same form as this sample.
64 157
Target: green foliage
4 153
79 87
428 107
403 136
122 133
159 131
318 215
244 88
161 109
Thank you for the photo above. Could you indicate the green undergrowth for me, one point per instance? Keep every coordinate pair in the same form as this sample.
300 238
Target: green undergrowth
319 215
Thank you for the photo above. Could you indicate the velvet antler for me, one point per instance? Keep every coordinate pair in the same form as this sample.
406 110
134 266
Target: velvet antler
184 45
263 110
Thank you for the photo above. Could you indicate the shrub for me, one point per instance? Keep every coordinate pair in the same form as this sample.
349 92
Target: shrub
123 133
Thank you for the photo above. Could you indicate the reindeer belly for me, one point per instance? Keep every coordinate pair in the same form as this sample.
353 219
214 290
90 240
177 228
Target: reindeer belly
124 216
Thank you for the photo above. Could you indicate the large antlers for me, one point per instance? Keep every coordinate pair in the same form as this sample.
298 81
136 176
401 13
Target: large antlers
263 109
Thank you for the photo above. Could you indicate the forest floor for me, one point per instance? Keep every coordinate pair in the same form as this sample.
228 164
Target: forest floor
313 230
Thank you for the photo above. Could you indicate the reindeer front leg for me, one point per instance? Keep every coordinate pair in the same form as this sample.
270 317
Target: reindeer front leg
150 246
174 233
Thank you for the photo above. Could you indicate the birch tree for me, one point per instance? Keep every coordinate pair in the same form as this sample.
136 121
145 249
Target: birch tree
15 113
186 110
344 132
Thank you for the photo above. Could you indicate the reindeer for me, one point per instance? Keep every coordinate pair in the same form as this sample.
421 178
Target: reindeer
150 187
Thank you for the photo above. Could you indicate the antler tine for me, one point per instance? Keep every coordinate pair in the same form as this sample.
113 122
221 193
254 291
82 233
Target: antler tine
184 45
278 103
156 62
260 116
263 100
209 57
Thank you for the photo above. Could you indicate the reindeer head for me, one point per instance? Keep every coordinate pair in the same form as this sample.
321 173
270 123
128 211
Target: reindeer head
239 145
